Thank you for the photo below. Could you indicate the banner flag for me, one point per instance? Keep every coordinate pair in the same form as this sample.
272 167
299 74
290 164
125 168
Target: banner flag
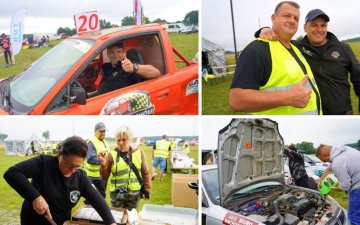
138 12
17 30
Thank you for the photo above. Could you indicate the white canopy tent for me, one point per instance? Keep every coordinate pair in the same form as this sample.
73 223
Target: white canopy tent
214 54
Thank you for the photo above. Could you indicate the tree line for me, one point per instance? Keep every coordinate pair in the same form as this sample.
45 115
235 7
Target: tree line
191 18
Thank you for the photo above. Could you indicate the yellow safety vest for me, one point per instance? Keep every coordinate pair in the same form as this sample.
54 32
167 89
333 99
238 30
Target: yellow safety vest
186 148
162 149
286 72
91 169
122 175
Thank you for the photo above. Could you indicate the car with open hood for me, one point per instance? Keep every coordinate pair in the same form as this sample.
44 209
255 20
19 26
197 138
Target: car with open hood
247 185
63 81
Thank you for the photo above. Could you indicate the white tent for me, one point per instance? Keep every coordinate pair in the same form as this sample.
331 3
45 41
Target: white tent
21 147
215 55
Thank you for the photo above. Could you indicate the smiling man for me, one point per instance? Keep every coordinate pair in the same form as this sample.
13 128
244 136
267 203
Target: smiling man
331 62
272 77
121 72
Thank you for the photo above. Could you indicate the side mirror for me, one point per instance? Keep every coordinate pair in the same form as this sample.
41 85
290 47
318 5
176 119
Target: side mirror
77 95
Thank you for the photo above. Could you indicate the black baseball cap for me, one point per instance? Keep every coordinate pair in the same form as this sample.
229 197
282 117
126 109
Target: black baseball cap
316 13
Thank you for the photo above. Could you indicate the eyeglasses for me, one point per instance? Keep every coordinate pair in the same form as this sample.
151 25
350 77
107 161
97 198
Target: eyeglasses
71 166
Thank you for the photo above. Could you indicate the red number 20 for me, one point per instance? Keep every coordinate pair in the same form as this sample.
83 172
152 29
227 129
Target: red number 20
93 22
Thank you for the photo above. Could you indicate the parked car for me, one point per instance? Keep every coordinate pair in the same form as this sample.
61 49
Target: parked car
314 172
175 27
61 81
247 186
61 36
189 30
314 161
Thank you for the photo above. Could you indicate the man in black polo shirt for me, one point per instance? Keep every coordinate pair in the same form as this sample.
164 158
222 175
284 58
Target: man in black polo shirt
121 72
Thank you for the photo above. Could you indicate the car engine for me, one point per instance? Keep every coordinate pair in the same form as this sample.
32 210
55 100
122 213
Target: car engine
288 206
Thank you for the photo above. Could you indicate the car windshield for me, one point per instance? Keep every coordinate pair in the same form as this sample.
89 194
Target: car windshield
211 184
261 187
30 86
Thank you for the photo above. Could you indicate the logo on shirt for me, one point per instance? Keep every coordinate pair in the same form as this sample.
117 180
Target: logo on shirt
114 74
74 196
335 55
306 51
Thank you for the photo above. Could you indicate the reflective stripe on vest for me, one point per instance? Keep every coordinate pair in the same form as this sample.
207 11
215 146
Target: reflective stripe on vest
91 169
286 72
162 149
122 175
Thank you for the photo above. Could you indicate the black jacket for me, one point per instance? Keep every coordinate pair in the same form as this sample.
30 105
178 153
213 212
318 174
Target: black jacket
331 64
61 193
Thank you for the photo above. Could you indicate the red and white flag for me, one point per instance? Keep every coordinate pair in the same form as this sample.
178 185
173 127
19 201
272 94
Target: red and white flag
138 12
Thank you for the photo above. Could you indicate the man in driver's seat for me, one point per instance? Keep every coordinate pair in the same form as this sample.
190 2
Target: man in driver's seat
121 72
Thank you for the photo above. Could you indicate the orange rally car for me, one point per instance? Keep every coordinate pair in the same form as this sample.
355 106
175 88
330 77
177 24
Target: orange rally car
60 81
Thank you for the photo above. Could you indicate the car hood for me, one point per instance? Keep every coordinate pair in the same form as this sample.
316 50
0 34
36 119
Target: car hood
249 151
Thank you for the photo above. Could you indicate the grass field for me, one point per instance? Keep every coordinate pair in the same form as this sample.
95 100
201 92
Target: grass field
187 44
11 202
215 93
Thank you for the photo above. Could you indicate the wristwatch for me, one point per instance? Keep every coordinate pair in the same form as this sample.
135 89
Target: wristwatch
136 67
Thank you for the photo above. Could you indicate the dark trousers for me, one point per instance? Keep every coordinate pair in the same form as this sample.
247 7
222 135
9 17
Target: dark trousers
6 55
306 182
354 207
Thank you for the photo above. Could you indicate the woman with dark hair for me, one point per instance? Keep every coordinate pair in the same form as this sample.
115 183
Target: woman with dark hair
57 183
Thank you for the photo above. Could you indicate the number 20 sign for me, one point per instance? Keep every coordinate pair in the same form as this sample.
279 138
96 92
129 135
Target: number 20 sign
87 21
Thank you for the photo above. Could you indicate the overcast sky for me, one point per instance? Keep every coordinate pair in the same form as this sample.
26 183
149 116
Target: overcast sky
44 16
319 130
65 126
250 14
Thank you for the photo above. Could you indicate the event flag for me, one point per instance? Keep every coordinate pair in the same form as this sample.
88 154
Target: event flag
138 12
17 30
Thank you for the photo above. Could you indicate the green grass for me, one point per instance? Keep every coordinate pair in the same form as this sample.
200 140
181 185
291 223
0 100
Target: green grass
11 201
215 93
186 44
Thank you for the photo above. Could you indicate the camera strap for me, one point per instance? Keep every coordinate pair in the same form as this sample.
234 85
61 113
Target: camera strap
131 165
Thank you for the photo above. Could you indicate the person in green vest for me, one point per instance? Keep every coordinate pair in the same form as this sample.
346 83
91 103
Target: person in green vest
96 145
32 148
160 154
272 77
130 176
186 148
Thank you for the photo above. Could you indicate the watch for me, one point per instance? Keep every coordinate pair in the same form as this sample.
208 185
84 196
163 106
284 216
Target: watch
136 67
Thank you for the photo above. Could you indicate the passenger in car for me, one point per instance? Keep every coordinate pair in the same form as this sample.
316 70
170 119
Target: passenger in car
122 71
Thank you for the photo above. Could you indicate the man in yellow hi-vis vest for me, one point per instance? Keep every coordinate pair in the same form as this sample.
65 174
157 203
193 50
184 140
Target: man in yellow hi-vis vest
272 77
160 154
96 145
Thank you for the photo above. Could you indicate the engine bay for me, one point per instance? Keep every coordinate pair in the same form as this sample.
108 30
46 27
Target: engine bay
286 205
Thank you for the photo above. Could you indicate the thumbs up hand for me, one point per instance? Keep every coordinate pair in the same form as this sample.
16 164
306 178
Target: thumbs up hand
299 95
127 65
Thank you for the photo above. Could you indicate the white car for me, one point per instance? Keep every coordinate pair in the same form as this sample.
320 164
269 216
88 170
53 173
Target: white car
247 186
